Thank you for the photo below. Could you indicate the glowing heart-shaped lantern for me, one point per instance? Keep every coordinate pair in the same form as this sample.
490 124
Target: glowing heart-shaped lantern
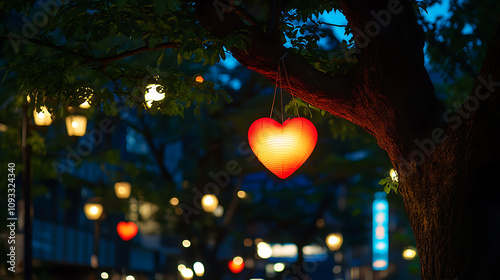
236 265
126 231
282 148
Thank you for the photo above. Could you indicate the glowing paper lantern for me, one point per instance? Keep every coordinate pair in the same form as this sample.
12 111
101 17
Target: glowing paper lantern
236 265
199 79
76 125
282 148
394 175
126 230
43 117
154 92
86 96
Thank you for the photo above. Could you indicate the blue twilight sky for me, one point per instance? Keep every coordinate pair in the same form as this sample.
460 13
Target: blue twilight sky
338 18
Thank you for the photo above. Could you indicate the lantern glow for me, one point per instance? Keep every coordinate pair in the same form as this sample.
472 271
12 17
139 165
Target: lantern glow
282 148
209 203
76 125
42 118
93 211
334 241
122 189
154 92
409 253
126 231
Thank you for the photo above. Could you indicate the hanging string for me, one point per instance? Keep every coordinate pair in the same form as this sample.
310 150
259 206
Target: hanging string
275 89
289 85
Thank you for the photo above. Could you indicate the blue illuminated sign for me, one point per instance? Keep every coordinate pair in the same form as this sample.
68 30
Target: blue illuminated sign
380 234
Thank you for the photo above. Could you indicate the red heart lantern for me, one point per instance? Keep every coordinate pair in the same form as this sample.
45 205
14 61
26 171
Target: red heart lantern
282 148
126 231
236 267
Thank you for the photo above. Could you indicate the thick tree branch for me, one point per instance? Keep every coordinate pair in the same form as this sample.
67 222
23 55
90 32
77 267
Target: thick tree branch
388 92
104 61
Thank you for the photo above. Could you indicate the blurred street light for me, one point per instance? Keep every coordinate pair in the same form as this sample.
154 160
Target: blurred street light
209 203
334 241
199 268
122 189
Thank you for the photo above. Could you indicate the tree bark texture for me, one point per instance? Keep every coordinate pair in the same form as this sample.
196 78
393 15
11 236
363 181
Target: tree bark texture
446 160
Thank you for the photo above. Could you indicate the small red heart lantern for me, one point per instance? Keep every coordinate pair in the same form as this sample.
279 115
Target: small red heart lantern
282 148
126 231
236 265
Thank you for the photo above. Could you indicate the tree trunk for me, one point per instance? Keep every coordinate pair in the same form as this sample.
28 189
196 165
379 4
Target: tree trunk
445 160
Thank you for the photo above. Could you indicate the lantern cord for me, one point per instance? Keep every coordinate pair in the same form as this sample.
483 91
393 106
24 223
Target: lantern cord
289 85
281 93
275 89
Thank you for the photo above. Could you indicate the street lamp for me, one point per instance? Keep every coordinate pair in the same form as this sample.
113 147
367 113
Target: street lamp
93 211
209 203
42 118
122 190
76 125
334 241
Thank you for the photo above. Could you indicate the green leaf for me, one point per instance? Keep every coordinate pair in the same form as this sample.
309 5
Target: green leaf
160 59
387 189
179 58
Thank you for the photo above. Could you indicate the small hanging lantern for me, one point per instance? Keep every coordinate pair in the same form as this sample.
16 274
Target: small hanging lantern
236 265
126 231
43 117
209 202
93 211
76 125
86 96
334 241
122 189
394 175
282 148
154 92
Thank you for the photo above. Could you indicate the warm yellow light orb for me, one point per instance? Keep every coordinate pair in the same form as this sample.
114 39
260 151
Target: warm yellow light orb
199 79
264 250
174 201
186 243
279 267
93 211
76 125
154 92
394 175
242 194
209 202
238 260
334 241
42 118
199 268
409 253
187 273
122 189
